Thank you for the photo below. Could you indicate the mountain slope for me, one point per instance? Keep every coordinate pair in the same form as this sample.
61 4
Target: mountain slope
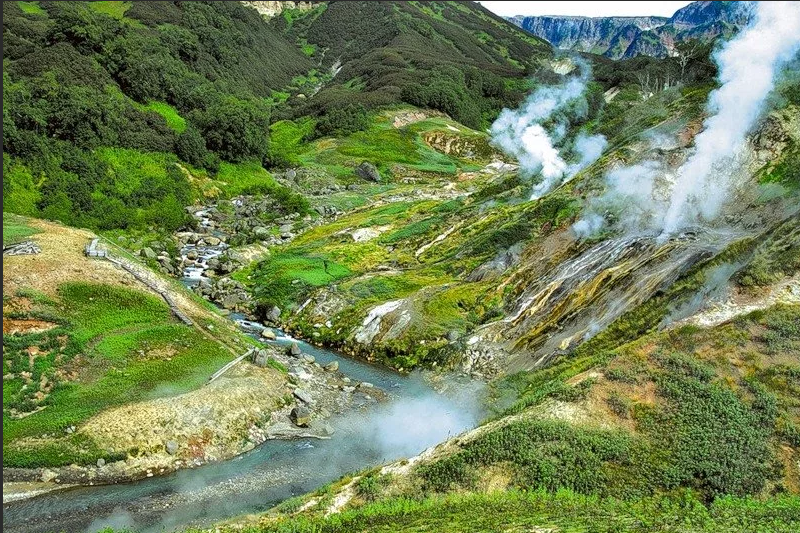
456 57
618 37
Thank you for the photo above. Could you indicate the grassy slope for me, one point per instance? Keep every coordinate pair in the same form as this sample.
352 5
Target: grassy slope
687 430
106 345
15 229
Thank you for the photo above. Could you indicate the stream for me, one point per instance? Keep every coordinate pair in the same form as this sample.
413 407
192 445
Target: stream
414 418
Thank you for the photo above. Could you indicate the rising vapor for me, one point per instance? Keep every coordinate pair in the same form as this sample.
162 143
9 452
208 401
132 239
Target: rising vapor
748 65
531 134
650 197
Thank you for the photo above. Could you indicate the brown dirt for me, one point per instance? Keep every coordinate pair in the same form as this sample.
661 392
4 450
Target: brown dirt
12 326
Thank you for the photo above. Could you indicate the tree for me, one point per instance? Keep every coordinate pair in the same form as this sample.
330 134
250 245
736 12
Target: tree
685 52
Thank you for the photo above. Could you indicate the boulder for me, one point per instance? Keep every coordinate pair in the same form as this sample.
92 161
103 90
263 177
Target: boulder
261 232
101 463
365 385
260 358
367 171
303 396
172 447
268 334
333 366
286 228
294 350
453 335
230 301
308 358
301 416
48 475
148 253
191 255
211 240
274 314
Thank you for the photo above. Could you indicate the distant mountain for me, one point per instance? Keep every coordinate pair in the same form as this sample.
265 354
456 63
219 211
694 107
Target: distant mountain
624 37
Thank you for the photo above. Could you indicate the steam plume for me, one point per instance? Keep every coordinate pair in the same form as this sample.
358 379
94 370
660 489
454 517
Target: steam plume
651 197
523 133
748 65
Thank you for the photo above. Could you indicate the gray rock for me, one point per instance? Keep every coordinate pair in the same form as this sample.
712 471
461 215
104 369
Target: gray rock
191 255
348 389
101 463
294 349
172 447
453 335
303 396
260 358
148 253
301 416
365 385
213 263
308 358
261 232
230 301
211 240
333 366
268 334
367 171
286 228
274 314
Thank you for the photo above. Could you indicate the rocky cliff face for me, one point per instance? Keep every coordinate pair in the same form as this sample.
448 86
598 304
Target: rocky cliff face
270 9
584 34
623 37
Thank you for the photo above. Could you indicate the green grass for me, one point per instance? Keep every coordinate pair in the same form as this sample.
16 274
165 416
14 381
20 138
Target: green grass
16 229
563 511
170 114
112 9
286 276
124 345
31 8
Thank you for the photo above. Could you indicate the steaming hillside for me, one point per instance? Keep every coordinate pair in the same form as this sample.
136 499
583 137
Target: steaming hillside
598 255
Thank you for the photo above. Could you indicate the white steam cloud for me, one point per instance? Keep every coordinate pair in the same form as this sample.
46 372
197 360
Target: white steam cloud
651 197
748 65
523 134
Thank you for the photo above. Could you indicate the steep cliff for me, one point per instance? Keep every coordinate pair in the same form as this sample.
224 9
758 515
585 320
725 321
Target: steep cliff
618 37
270 9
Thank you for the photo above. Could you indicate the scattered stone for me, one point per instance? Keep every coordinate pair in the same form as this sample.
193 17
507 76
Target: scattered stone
303 396
274 314
22 248
172 447
230 301
48 475
301 416
101 463
368 171
149 253
348 389
260 358
346 379
294 350
333 366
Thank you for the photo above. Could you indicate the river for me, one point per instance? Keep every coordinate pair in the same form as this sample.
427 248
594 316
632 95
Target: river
414 418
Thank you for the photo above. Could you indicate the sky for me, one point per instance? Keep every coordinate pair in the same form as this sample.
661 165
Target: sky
587 9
